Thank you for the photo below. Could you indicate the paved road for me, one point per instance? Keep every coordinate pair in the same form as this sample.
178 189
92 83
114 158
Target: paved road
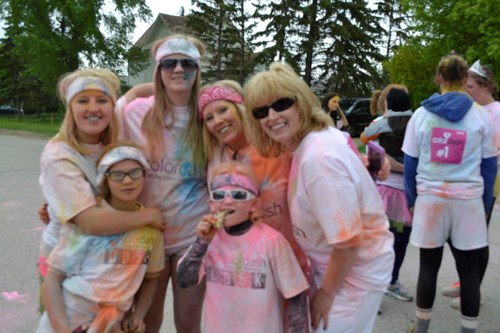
20 233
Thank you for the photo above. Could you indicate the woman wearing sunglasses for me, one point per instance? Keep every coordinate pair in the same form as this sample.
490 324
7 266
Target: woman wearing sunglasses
249 267
167 125
337 213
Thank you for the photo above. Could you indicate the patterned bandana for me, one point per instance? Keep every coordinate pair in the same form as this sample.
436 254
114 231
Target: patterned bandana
235 179
177 46
212 94
87 83
116 155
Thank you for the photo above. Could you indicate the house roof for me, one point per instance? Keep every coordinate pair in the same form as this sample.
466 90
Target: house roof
175 24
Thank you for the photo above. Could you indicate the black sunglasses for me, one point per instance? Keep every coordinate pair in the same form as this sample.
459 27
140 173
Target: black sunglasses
188 65
279 105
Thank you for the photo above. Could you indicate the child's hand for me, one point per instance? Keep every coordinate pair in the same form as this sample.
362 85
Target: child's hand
206 228
133 325
157 220
385 171
43 214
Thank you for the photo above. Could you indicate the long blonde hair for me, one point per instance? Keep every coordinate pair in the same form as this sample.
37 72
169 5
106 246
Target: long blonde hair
278 82
67 131
154 121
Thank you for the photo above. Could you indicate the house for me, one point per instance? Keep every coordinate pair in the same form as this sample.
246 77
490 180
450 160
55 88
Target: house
163 26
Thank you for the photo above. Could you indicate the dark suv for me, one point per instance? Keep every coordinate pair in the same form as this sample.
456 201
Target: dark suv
357 112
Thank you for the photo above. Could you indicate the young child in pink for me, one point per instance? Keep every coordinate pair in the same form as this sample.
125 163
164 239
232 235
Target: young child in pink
249 267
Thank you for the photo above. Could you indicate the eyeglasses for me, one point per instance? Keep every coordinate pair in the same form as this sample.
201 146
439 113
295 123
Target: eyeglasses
188 65
236 195
118 176
279 105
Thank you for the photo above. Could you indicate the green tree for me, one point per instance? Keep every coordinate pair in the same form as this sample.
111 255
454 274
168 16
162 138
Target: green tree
58 36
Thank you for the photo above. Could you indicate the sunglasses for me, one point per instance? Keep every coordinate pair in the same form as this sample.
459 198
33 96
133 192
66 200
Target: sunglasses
279 105
236 195
188 65
118 176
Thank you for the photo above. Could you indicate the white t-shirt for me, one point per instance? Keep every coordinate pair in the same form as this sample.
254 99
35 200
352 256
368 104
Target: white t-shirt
247 277
332 199
171 184
67 180
450 153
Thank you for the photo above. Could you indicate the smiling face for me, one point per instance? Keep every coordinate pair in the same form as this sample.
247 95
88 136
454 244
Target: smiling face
282 126
178 80
92 111
222 120
237 211
124 193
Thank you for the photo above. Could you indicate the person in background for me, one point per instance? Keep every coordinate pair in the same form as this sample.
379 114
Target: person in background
481 86
332 107
389 130
250 267
450 166
336 210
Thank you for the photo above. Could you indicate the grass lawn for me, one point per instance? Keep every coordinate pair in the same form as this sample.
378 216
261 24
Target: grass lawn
42 125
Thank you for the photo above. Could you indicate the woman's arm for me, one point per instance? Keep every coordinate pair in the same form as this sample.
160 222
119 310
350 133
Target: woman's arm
101 221
140 90
341 260
54 302
343 117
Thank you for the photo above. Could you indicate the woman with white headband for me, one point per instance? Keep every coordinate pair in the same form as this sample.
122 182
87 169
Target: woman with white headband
166 125
68 162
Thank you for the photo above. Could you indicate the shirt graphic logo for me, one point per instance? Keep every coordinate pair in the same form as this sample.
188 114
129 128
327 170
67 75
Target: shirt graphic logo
250 280
447 145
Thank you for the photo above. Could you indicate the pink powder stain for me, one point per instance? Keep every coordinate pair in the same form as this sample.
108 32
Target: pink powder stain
13 295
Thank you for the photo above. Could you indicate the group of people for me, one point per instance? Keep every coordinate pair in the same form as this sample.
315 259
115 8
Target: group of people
262 215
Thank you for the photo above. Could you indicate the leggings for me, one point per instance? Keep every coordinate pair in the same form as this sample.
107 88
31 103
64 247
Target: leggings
401 239
470 272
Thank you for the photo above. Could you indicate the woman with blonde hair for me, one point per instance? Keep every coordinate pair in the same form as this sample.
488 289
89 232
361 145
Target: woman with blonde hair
167 125
336 211
68 162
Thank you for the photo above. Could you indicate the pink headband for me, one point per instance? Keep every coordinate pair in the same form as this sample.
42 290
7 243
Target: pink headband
235 179
217 93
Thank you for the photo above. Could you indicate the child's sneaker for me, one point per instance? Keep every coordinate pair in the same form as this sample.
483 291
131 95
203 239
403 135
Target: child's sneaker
397 290
452 291
455 303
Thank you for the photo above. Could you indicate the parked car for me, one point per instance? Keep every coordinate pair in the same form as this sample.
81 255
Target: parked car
357 112
7 110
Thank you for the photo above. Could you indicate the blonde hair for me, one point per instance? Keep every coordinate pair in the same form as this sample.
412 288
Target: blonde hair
278 82
379 97
209 140
104 187
374 110
233 167
452 69
154 121
67 131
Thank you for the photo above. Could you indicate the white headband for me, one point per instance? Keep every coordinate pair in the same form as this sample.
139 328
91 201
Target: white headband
177 45
87 83
478 69
116 155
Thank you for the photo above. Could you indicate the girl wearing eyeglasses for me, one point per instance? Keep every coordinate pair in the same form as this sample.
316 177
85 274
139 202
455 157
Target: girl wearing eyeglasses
92 280
249 267
337 213
167 125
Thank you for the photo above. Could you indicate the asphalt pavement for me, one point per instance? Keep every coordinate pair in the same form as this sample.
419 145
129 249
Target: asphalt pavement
20 232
